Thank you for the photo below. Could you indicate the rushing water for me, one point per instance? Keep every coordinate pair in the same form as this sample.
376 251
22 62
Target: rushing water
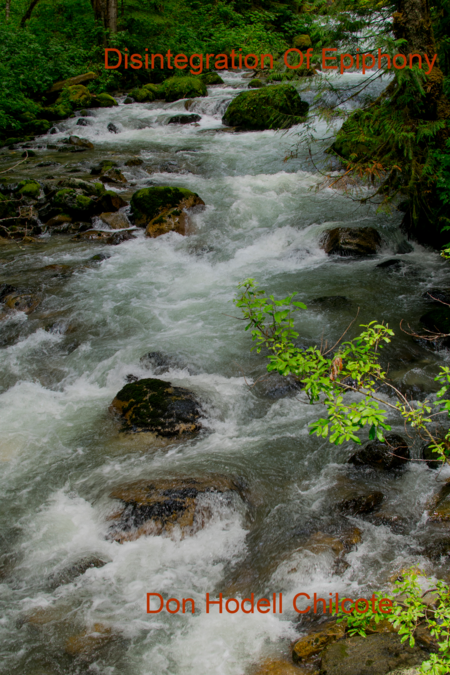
62 453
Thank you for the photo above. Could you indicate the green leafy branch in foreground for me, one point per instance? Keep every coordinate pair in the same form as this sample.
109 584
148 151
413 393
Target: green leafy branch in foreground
409 611
328 374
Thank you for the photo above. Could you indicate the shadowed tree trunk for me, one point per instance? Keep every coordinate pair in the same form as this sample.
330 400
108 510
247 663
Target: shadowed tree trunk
7 9
106 12
28 13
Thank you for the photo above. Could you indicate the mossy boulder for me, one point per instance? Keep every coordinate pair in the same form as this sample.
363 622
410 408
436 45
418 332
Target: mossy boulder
29 188
151 203
157 406
256 84
102 167
110 201
212 78
302 42
75 204
154 506
143 95
275 107
76 97
105 100
176 88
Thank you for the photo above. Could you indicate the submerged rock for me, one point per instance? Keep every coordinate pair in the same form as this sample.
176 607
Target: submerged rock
134 161
273 107
157 406
162 209
373 655
278 667
392 454
184 119
104 236
86 644
361 504
156 506
81 142
345 241
22 302
69 574
331 302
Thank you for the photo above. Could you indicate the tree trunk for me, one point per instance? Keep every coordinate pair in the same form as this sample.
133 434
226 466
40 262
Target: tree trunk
112 16
28 13
7 9
412 22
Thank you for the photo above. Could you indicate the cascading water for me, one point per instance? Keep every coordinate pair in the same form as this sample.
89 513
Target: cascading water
62 453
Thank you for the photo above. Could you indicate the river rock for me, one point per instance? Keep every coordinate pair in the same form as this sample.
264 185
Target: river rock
104 236
75 96
361 504
81 142
69 574
105 100
5 290
381 455
110 201
184 119
345 241
275 107
103 166
154 506
29 188
22 302
74 203
440 508
162 209
113 176
176 88
58 220
437 321
212 78
312 644
82 122
157 406
280 667
116 220
112 128
433 459
373 655
256 83
437 295
134 161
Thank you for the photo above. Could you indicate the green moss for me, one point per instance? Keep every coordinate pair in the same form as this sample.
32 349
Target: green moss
144 95
29 188
84 203
148 202
176 88
102 167
255 84
7 207
302 42
212 78
275 107
76 97
106 101
61 196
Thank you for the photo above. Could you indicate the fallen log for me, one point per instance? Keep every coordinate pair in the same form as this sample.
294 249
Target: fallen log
79 79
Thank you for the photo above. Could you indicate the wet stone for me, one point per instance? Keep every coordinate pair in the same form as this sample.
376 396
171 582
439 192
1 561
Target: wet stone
184 119
155 506
314 643
157 406
393 454
69 574
344 241
361 504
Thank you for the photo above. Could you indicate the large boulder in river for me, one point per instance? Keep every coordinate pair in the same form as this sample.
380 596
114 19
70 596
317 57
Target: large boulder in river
157 406
162 209
104 100
392 454
376 654
274 107
346 241
158 505
176 88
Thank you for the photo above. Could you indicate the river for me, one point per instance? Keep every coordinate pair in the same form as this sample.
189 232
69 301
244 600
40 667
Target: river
62 452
